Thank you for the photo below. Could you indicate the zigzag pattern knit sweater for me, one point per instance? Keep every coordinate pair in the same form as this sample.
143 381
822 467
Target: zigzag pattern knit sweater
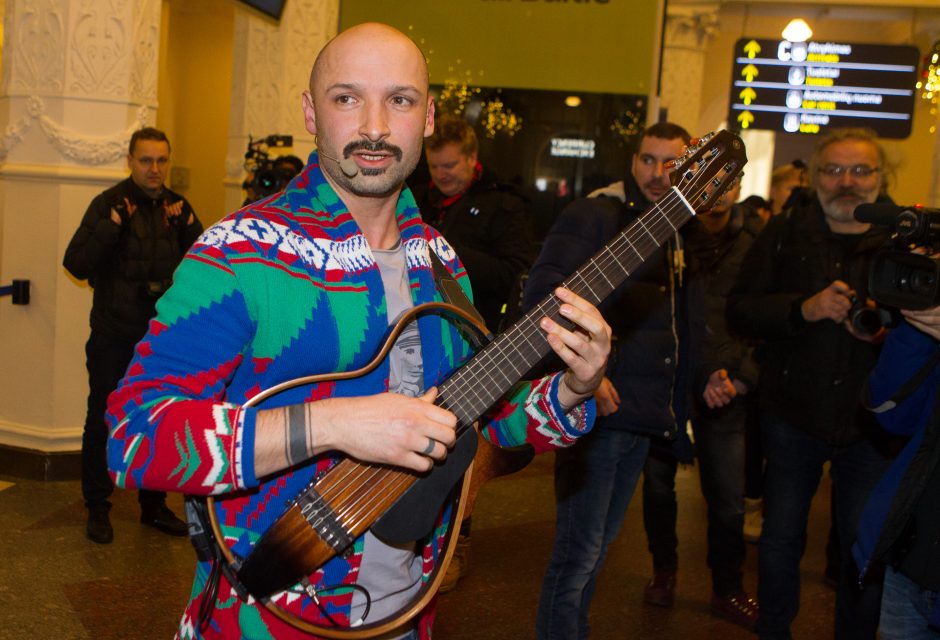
285 287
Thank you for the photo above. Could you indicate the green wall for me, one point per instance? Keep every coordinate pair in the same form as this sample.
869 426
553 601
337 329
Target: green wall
604 46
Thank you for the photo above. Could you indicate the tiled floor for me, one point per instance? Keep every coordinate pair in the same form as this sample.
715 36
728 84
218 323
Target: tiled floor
54 583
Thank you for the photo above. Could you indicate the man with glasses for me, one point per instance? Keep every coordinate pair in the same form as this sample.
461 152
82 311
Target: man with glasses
130 240
802 281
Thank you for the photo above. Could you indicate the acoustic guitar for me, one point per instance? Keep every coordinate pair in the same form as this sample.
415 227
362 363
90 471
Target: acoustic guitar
401 506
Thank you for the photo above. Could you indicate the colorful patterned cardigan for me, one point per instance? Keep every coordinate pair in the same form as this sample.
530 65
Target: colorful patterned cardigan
283 288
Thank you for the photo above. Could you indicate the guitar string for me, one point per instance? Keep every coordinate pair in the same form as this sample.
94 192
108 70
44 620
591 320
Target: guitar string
600 263
356 509
578 282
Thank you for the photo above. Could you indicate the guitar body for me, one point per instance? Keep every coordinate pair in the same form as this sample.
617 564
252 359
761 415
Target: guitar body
413 515
400 506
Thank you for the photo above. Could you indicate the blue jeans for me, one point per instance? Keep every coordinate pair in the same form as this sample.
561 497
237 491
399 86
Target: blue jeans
594 481
905 609
794 467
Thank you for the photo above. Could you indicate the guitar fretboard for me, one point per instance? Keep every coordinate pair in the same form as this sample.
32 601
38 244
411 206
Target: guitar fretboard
491 373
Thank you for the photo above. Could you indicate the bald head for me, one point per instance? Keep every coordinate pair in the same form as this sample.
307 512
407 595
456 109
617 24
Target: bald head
370 108
374 36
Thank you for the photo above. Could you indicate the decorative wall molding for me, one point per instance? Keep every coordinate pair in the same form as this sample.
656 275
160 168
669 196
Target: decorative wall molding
37 32
36 438
270 71
61 174
99 48
74 146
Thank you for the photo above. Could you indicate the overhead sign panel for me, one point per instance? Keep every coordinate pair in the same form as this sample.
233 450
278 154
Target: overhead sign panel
809 87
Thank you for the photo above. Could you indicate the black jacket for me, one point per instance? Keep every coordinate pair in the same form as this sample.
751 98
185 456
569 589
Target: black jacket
716 259
129 265
488 227
655 319
811 372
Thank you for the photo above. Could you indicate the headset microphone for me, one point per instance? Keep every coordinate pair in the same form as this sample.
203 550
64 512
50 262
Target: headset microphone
347 165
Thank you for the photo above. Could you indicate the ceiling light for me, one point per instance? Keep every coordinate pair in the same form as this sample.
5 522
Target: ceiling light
797 31
573 101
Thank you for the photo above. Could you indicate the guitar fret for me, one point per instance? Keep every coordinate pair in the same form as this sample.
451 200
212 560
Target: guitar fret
640 222
490 373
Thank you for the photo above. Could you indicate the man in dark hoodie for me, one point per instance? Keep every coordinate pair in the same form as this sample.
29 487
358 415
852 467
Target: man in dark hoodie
644 395
127 246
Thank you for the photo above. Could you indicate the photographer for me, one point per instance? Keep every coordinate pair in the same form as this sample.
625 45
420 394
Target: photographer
127 246
900 526
801 282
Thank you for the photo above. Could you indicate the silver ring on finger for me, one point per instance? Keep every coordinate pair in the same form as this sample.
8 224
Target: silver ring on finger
428 449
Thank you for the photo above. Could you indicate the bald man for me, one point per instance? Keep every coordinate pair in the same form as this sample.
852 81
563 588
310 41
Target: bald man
306 282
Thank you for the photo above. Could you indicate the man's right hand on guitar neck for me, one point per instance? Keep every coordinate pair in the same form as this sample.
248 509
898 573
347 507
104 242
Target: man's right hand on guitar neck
388 428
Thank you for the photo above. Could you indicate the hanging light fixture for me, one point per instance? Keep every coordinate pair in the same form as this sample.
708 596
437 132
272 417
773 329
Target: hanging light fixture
797 31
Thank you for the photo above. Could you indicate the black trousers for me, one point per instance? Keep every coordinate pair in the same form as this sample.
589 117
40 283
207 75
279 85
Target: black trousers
106 358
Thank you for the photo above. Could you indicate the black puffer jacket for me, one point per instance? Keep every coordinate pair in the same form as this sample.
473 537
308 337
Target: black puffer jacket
489 229
811 372
129 265
650 314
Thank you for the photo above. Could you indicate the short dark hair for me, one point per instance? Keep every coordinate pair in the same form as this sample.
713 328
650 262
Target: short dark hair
147 133
450 129
666 131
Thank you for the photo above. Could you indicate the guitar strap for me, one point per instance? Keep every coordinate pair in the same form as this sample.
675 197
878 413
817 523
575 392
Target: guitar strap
453 293
197 515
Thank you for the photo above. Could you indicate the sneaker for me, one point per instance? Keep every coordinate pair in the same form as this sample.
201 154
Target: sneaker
661 589
99 528
459 565
753 519
162 519
740 608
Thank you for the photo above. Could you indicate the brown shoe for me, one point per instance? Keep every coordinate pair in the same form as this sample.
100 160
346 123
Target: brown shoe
459 565
740 608
660 591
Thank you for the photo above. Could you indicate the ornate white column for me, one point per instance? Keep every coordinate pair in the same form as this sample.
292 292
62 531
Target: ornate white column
270 73
689 29
78 77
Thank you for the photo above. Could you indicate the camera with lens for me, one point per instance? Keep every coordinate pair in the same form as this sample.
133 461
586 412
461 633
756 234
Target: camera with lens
899 278
264 178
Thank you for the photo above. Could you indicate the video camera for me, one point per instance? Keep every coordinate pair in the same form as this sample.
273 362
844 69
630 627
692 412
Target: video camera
264 179
897 277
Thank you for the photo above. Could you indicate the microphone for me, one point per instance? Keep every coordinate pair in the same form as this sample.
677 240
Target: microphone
347 165
878 213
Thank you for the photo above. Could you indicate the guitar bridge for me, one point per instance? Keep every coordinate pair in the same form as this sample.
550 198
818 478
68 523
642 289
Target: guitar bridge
322 519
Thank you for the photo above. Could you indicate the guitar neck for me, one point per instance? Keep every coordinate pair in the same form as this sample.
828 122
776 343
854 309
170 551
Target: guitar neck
476 386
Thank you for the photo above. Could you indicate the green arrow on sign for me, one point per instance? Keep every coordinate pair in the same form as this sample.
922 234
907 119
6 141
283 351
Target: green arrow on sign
752 48
746 119
750 72
747 95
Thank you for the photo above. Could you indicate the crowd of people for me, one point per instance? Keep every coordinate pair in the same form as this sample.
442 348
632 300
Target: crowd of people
739 326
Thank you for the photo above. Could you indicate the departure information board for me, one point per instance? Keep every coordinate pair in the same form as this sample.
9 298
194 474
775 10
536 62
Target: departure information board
809 87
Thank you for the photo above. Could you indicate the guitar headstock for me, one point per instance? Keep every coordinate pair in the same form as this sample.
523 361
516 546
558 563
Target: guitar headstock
709 167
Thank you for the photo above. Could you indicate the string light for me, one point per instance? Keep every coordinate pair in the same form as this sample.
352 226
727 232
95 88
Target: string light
929 86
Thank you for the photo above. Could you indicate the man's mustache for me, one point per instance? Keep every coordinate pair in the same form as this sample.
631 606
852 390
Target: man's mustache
844 193
365 145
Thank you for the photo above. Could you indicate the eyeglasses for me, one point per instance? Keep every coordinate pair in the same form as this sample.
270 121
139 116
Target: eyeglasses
856 171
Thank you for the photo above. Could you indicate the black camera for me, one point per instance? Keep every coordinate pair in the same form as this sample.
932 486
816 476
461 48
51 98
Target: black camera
264 178
897 277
